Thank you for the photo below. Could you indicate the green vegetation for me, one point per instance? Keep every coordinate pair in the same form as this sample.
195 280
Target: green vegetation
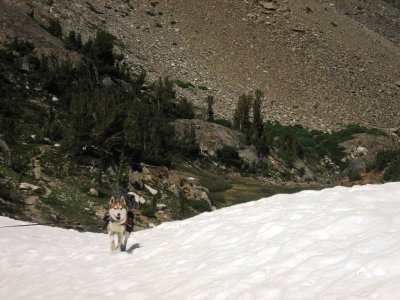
242 191
293 142
241 118
392 173
210 110
257 118
187 146
184 84
229 156
389 162
386 157
55 28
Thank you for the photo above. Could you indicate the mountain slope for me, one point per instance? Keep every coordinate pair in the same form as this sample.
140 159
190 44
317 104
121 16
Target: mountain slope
339 243
321 64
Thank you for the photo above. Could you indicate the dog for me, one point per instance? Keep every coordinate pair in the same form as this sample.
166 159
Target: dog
116 228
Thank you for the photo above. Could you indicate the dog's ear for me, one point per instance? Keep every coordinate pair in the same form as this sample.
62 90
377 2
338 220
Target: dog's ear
112 201
123 201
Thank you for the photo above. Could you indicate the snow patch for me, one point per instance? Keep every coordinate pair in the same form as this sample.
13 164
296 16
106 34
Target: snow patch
338 243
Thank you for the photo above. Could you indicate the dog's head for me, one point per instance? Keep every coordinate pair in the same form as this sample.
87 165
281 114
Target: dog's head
117 209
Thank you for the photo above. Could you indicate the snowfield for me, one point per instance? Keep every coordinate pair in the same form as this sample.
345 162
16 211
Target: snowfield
338 243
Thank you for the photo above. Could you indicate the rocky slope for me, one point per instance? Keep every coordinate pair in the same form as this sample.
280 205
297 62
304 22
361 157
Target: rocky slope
322 64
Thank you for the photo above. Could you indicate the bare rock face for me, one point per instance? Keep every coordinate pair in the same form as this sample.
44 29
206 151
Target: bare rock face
212 137
15 23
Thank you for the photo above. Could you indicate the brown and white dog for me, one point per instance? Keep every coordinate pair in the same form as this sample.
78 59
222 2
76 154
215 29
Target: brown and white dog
116 228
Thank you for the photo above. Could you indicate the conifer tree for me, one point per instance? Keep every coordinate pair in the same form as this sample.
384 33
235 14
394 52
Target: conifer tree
210 110
257 118
241 118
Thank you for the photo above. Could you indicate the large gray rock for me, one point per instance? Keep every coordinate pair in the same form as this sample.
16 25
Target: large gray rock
212 137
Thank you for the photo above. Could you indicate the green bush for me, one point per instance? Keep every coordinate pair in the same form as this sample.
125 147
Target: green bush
55 28
4 190
229 156
392 173
184 84
187 145
385 157
22 47
181 109
199 205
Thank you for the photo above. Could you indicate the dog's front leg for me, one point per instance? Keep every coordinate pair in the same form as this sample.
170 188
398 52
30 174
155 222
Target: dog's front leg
125 240
113 245
119 245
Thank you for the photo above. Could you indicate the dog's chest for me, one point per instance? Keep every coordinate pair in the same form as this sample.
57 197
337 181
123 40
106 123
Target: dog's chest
115 228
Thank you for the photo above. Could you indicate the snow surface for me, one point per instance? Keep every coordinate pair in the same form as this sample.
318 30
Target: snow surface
338 243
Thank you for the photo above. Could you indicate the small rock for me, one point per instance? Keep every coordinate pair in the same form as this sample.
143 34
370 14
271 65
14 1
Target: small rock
151 190
361 150
54 99
93 192
107 82
268 5
397 83
137 198
161 206
27 186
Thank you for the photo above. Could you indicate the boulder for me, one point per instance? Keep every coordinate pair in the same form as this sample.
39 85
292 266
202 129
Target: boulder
212 137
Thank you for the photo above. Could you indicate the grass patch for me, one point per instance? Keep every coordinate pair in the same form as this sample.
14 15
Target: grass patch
242 192
184 84
294 142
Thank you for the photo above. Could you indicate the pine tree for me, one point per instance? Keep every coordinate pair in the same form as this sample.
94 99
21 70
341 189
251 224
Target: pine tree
257 118
241 118
210 110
